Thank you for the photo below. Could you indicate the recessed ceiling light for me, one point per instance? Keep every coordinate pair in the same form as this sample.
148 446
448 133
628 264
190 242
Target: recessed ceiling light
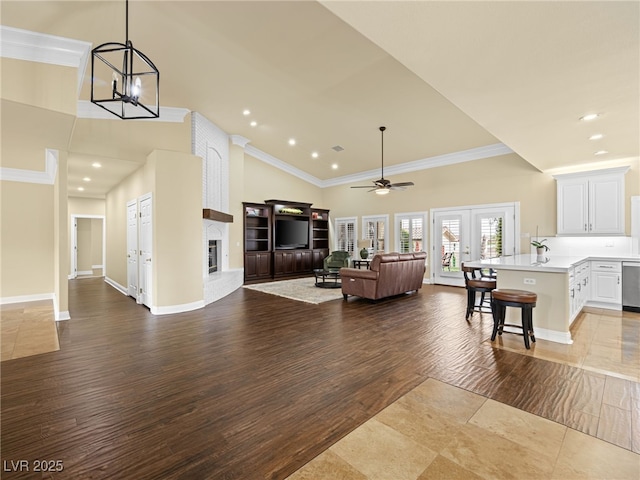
96 165
589 116
86 179
81 189
314 154
596 136
246 112
334 166
601 152
292 141
253 123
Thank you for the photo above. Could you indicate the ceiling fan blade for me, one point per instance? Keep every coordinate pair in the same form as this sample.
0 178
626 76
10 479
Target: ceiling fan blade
361 186
402 184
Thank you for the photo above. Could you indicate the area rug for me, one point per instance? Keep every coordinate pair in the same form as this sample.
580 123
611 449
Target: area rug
301 289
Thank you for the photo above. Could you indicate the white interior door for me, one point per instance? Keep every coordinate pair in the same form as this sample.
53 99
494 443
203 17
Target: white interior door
145 243
132 249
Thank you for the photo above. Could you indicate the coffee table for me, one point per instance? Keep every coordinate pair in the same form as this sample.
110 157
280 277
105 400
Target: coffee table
327 278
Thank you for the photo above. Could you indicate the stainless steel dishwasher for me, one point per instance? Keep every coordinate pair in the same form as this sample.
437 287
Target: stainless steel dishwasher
631 286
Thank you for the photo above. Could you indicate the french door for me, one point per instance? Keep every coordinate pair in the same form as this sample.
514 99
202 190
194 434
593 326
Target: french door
470 233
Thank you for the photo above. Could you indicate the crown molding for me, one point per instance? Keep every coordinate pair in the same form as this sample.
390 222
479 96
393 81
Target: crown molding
593 173
462 156
48 177
38 47
470 155
274 162
239 140
86 109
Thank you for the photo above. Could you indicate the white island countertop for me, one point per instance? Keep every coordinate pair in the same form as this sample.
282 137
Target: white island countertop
544 263
549 277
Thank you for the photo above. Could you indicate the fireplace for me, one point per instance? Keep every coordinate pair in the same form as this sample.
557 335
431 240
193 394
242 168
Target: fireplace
214 255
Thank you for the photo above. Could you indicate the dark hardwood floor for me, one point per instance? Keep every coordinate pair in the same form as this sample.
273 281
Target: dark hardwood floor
253 386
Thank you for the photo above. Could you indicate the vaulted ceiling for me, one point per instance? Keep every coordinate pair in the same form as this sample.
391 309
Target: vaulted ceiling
443 77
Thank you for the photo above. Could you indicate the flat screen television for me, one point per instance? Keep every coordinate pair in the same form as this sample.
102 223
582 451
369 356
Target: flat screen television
292 233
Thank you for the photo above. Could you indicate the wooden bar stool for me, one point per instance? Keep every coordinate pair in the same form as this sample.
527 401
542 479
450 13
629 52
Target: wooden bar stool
503 298
476 283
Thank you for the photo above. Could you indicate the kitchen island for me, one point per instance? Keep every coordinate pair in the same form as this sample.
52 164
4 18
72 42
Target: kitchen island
562 284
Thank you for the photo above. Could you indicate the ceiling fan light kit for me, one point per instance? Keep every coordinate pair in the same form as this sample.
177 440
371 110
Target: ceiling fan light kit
384 186
123 79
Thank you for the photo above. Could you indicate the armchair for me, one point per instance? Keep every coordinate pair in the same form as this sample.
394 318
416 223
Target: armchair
336 260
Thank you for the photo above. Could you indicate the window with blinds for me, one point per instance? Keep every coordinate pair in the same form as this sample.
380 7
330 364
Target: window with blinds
346 235
411 233
375 230
450 244
490 237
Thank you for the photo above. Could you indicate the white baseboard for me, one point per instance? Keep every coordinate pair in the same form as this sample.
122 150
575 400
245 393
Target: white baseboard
95 267
185 307
85 272
26 298
553 335
165 310
606 306
57 314
117 286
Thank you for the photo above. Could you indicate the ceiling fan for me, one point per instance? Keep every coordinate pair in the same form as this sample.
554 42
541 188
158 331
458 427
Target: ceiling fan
384 186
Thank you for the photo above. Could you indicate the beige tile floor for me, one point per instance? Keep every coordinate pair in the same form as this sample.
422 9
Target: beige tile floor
441 431
604 341
27 329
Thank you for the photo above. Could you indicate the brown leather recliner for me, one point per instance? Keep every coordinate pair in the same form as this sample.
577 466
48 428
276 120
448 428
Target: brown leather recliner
389 274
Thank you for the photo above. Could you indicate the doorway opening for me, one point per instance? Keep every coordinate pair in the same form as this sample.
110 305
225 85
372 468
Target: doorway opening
88 246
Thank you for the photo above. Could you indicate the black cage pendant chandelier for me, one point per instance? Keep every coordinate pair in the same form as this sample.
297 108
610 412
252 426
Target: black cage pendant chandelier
123 80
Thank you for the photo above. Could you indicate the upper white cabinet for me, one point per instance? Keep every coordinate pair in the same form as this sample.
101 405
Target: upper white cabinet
591 203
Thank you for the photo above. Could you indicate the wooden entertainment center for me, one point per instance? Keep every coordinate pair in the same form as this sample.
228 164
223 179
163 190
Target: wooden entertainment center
283 238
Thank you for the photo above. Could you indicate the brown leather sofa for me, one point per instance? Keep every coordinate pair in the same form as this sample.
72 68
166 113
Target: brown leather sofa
389 274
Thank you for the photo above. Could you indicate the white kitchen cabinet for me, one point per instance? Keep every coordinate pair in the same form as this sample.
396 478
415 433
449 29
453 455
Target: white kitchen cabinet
579 288
606 283
591 203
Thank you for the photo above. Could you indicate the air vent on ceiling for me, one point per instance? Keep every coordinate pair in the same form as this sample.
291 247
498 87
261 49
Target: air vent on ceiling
337 148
